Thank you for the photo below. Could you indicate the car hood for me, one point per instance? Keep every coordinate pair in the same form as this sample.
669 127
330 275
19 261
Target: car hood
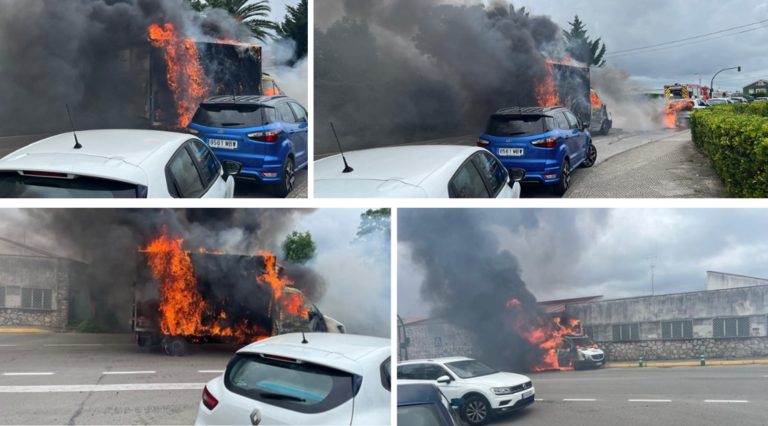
591 351
499 379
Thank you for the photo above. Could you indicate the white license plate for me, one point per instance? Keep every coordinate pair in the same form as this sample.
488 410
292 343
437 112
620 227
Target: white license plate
526 394
221 143
511 152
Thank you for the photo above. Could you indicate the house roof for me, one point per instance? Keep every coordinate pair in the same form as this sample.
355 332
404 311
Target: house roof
758 81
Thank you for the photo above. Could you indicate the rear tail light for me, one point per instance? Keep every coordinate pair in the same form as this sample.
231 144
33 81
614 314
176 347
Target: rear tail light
545 143
208 400
482 142
550 177
270 136
269 174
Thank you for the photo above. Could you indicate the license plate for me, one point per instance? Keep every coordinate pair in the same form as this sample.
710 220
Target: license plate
600 363
526 394
511 152
221 143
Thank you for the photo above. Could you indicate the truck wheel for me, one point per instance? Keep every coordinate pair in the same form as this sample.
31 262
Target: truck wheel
565 178
285 187
604 128
591 157
476 411
175 346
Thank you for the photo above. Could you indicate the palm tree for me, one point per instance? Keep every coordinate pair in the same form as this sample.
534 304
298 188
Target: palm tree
252 15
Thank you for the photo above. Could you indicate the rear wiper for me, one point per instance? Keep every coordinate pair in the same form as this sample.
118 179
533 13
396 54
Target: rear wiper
517 133
231 124
274 395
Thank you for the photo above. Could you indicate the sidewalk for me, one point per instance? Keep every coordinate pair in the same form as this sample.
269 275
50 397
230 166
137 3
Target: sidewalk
671 167
686 363
301 191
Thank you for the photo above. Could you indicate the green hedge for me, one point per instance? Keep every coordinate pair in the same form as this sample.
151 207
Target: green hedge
735 138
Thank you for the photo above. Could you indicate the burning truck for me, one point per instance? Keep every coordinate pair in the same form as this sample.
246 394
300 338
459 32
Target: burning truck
172 74
183 297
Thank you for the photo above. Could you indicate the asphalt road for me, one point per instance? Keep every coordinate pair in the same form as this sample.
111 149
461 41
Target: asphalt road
244 188
682 396
63 379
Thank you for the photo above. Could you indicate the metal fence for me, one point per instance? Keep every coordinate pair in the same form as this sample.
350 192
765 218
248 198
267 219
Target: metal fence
731 327
36 298
626 332
677 330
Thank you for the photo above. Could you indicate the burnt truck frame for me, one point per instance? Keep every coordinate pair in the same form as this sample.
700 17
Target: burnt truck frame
574 89
240 299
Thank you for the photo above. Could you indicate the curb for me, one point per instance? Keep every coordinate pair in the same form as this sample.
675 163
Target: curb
687 364
24 330
301 191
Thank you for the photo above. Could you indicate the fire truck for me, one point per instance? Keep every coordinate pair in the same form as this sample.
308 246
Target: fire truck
686 91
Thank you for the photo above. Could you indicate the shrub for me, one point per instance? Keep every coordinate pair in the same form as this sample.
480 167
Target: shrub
90 326
735 138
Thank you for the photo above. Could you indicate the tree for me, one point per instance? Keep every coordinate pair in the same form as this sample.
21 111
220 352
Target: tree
299 247
296 28
374 220
520 12
252 15
581 48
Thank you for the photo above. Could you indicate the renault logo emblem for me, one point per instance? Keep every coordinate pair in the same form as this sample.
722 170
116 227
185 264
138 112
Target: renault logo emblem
255 416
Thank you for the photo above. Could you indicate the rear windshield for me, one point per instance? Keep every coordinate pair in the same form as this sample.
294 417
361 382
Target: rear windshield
14 185
297 386
234 117
421 415
520 126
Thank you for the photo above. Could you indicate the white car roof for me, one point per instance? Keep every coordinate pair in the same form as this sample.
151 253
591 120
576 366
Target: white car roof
439 360
401 171
113 154
345 352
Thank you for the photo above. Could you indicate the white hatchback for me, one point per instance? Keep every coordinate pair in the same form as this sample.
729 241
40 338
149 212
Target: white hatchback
428 171
303 379
117 164
486 392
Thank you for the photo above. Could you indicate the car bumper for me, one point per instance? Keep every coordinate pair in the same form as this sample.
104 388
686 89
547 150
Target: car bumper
509 403
540 178
589 363
259 174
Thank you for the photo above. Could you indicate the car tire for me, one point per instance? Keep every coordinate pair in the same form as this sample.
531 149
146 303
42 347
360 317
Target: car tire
476 411
604 129
565 179
591 157
175 346
285 186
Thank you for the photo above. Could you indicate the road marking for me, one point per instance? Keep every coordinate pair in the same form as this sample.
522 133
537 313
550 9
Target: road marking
726 401
7 346
102 388
539 400
211 371
74 344
580 400
28 374
649 400
128 372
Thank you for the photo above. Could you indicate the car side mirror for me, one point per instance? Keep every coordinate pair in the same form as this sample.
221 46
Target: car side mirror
516 175
444 380
231 168
585 124
458 402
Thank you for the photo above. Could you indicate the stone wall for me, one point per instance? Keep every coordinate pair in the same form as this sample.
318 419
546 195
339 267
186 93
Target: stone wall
685 349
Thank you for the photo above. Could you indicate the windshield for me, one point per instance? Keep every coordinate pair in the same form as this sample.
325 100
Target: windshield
470 368
234 117
293 385
14 185
519 126
583 342
418 415
717 101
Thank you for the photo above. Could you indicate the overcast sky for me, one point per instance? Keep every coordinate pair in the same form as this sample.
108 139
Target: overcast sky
627 25
567 253
278 8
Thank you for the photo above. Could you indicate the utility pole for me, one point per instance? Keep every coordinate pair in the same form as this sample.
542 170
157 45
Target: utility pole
652 262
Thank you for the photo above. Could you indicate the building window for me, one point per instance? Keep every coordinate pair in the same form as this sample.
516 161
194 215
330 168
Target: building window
2 297
438 342
589 331
626 332
677 329
731 327
36 298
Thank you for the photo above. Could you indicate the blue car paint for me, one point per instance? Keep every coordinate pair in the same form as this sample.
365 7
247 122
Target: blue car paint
423 394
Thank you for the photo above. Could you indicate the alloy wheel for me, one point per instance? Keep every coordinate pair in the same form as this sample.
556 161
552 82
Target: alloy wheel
476 411
290 176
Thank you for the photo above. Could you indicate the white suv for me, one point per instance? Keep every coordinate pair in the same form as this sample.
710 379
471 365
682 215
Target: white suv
486 391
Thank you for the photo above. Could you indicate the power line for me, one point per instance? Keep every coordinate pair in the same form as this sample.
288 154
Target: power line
686 44
690 38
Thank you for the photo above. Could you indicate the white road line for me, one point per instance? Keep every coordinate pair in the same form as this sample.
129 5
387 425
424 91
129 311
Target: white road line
129 372
580 400
8 346
211 371
539 400
649 400
74 344
102 388
726 401
28 374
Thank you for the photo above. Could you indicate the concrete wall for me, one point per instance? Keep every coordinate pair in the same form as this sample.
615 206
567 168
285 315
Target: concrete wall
19 272
721 281
434 339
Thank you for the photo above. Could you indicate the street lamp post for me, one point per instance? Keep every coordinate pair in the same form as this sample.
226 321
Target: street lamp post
700 94
712 85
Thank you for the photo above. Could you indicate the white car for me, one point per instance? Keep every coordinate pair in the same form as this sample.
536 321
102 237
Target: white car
117 164
303 379
486 391
433 171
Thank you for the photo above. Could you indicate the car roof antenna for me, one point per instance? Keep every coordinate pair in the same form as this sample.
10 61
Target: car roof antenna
303 339
347 169
77 144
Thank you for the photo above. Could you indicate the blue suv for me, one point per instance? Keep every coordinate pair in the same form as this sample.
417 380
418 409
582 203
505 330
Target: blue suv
548 143
268 135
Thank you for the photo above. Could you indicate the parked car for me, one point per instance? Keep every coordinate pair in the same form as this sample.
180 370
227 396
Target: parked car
486 391
548 143
718 101
761 99
268 135
425 405
303 379
433 171
117 164
739 100
681 109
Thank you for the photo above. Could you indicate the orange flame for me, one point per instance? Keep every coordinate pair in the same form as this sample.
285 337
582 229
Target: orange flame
670 117
595 100
546 93
186 77
289 302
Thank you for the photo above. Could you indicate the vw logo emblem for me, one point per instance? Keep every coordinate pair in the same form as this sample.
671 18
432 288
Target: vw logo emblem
255 416
221 131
